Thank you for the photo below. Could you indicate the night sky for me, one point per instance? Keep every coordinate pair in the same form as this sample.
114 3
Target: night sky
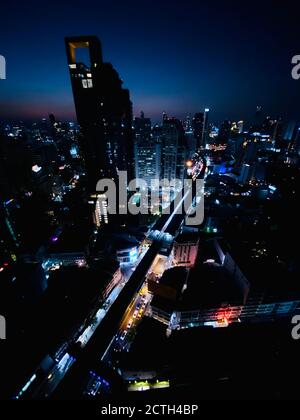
177 56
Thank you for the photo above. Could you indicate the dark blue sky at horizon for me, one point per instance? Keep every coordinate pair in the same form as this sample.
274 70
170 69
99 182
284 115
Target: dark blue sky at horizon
174 56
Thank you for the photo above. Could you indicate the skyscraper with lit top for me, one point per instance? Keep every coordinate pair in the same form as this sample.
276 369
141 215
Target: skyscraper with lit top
104 112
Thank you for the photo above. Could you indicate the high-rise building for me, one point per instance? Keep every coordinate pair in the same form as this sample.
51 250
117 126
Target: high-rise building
173 152
147 149
240 126
9 238
142 127
104 112
296 141
225 131
289 131
292 136
190 139
190 144
188 124
200 127
258 119
234 128
251 150
237 128
246 174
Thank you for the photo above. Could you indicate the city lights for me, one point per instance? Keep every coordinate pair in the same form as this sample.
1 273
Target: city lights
149 205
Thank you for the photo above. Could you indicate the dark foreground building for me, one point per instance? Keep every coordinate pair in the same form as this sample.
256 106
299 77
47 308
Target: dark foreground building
104 112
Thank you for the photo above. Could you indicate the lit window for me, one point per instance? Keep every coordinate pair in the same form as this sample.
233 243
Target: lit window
87 83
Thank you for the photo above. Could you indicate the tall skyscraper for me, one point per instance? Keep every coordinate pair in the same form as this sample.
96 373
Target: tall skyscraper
173 141
147 150
200 128
289 131
296 141
246 174
188 124
258 119
104 112
276 136
9 238
240 126
251 150
225 131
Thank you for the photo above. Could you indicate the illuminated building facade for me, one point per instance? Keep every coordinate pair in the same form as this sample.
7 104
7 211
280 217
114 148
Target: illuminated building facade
173 152
147 150
101 210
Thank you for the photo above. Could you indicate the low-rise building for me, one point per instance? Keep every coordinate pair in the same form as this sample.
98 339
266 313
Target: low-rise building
185 249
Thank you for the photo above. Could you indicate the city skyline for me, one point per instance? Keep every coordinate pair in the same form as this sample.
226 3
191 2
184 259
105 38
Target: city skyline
147 240
219 58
